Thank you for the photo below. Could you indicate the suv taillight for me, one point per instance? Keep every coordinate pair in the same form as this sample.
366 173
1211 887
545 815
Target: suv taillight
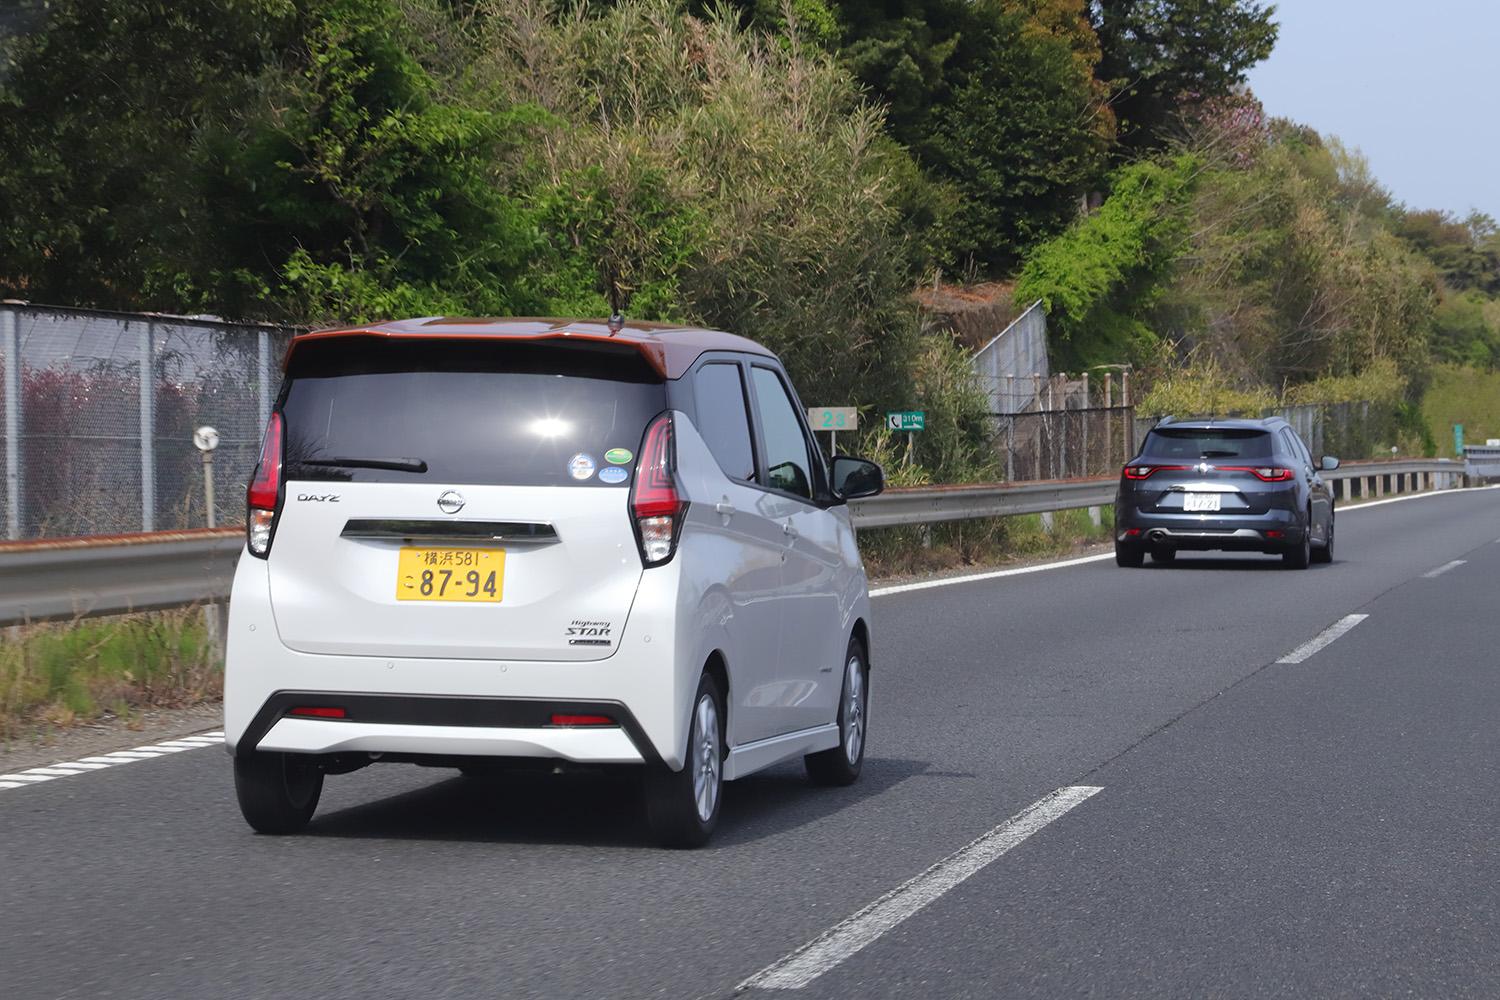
264 496
1265 473
1145 471
657 509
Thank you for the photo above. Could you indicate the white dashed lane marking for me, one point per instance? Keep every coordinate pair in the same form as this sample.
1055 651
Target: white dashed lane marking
68 769
865 927
1322 639
1443 569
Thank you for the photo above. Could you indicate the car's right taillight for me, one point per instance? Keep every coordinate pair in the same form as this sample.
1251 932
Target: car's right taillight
263 499
657 508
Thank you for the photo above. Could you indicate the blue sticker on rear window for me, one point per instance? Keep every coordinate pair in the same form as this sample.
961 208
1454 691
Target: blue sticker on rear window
613 474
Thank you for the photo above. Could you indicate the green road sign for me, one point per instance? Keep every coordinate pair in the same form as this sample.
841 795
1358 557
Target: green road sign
1458 440
906 420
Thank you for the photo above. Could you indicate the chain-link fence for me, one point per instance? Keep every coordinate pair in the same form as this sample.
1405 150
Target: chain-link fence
96 428
1065 444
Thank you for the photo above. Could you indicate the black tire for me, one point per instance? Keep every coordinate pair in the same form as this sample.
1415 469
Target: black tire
1164 556
278 792
1299 556
1324 553
672 797
1130 556
841 765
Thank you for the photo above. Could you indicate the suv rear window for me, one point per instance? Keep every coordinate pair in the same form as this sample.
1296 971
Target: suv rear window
1225 442
363 409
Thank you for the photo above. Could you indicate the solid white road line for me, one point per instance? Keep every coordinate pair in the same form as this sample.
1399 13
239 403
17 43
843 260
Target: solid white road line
902 588
1342 507
863 928
1443 569
68 769
1322 639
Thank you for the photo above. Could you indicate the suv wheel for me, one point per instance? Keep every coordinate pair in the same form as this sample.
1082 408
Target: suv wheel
1163 555
841 765
1324 553
277 791
1129 555
683 806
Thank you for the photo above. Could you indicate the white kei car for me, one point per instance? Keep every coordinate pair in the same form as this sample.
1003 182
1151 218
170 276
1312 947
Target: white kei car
471 542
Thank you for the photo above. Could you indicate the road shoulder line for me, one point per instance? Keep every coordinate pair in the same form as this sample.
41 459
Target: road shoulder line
90 764
1323 638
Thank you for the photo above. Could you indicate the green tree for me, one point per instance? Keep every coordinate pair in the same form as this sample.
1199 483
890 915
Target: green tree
1155 52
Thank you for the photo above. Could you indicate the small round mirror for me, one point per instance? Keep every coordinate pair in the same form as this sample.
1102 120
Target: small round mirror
205 439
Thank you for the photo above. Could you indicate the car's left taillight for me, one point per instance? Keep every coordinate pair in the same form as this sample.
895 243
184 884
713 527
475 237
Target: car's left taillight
263 499
657 508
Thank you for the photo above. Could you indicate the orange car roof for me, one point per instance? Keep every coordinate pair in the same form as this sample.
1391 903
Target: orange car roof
668 348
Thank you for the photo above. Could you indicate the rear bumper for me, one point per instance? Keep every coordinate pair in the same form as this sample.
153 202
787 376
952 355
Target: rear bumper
455 708
317 736
1243 533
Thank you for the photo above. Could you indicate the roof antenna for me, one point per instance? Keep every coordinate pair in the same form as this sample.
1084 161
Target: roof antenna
616 315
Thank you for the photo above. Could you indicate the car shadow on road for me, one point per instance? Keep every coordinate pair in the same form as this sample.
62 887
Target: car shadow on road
1243 564
596 809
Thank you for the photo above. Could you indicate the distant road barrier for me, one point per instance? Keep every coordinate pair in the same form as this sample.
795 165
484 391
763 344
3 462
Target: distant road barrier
65 578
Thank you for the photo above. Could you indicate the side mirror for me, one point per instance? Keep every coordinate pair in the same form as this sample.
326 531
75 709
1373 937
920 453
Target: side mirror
1330 463
854 478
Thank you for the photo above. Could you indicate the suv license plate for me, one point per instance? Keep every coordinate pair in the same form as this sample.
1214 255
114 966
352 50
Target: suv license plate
1200 501
424 574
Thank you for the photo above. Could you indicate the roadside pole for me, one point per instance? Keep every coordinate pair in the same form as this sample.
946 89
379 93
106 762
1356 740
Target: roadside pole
206 439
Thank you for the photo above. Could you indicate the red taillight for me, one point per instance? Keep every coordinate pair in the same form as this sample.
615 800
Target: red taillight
1265 473
656 505
562 719
318 712
266 483
1145 471
265 491
1275 534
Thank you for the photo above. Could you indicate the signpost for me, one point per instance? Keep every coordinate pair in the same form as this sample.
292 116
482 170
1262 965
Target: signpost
206 439
833 419
909 421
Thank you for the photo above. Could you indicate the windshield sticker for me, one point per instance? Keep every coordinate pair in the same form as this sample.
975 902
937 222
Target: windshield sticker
618 456
581 466
613 475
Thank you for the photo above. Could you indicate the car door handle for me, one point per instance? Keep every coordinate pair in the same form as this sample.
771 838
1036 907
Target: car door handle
725 508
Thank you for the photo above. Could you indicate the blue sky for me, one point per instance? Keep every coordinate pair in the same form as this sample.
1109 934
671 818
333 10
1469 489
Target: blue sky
1414 84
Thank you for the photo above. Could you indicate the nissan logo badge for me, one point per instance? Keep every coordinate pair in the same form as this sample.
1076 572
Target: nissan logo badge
451 502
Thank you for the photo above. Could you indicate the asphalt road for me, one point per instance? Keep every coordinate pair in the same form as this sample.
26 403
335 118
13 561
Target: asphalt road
1318 829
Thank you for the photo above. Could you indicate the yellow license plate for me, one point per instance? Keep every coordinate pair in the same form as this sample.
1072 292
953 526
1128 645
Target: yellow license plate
424 574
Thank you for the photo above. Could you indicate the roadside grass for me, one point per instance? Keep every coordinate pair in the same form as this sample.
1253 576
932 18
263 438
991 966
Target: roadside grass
62 674
982 542
1468 396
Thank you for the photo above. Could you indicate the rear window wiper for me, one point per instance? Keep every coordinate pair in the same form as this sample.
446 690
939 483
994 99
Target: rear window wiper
393 464
1219 454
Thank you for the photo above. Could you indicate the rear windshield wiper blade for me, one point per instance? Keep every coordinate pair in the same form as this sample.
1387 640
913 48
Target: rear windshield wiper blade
393 464
1218 454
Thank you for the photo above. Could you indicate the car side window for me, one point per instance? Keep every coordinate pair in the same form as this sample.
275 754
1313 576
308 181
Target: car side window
788 462
1294 443
723 418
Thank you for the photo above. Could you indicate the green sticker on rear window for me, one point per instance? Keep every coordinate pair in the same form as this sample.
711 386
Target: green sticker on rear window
618 456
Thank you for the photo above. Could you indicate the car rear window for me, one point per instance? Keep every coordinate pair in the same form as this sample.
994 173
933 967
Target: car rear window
363 409
1195 444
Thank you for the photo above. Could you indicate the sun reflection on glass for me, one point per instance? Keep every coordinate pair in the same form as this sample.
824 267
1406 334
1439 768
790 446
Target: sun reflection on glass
549 427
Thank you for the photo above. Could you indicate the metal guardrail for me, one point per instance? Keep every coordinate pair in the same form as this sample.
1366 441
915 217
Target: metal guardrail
1482 461
78 577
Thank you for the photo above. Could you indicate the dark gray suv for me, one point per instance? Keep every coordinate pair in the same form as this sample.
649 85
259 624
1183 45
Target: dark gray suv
1241 485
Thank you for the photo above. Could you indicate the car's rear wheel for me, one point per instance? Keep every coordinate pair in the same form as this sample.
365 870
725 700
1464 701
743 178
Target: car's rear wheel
841 765
1324 553
277 792
1129 555
1163 555
682 807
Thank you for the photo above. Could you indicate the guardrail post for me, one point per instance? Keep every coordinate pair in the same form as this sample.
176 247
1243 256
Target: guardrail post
1048 525
1378 482
10 344
1096 517
148 428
